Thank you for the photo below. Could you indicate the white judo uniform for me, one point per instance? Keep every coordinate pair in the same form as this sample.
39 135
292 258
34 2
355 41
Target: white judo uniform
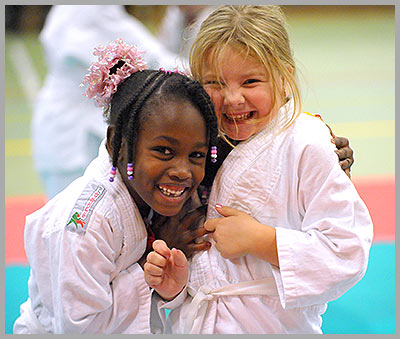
291 181
83 247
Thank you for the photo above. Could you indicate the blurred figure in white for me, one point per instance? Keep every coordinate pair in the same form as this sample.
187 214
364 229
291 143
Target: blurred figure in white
67 128
181 25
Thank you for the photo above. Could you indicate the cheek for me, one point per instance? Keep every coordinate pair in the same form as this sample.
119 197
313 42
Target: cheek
216 98
198 173
143 176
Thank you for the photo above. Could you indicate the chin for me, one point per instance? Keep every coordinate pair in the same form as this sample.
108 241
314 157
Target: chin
239 136
168 212
243 133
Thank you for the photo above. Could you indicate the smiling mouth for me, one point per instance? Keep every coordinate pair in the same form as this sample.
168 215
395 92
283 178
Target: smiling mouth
172 192
239 117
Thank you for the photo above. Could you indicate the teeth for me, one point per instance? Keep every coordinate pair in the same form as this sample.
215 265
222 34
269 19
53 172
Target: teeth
170 192
243 116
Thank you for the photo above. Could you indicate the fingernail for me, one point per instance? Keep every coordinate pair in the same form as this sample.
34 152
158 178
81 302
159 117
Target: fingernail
218 206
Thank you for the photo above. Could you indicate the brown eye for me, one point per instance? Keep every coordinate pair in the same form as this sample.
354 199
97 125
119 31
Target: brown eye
198 155
165 151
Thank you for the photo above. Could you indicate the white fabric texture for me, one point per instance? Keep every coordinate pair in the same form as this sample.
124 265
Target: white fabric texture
85 278
292 181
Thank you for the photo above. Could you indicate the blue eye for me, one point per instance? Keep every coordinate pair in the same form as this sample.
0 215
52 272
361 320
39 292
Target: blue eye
213 83
251 81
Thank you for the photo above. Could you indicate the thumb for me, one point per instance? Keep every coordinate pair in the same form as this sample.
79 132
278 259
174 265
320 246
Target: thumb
179 258
227 211
160 246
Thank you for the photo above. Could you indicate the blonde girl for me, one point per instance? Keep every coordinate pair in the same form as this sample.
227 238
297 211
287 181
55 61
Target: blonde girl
289 231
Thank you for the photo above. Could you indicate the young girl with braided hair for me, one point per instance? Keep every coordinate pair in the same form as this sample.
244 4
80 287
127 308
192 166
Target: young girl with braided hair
86 247
289 231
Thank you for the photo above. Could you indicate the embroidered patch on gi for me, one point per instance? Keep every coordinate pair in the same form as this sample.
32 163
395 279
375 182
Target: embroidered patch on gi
84 206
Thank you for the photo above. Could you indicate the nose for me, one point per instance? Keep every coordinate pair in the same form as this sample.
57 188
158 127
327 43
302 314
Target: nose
233 96
180 170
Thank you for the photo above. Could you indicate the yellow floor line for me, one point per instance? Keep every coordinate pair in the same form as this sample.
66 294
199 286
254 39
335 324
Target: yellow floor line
366 129
18 148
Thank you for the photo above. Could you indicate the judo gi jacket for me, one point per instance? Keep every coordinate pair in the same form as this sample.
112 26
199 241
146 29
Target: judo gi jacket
83 247
292 181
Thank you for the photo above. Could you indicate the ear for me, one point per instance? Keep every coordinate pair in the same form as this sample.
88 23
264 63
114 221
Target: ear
109 144
110 137
284 89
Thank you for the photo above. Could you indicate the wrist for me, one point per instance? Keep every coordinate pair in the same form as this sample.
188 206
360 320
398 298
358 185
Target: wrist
264 243
168 297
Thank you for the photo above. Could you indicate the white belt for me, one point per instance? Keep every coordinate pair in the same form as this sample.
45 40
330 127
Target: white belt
197 308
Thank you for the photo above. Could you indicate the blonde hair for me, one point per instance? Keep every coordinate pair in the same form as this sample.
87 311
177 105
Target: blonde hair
256 31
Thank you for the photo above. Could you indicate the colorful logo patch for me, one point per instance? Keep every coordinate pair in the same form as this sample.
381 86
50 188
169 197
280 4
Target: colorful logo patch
76 220
84 206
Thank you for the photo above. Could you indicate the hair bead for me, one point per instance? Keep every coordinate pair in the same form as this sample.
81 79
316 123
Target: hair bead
113 172
214 153
129 170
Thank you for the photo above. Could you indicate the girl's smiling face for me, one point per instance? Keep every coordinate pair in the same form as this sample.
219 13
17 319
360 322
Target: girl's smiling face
170 158
242 93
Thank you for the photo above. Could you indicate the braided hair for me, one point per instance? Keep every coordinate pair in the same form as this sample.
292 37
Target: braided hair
144 90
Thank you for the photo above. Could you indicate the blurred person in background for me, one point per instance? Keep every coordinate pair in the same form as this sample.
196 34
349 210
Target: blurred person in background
66 127
180 26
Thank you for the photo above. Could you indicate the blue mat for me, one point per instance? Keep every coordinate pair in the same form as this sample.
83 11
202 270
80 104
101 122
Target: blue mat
367 308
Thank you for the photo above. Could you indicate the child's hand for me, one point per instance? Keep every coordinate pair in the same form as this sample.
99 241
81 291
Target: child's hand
166 270
344 152
238 234
183 231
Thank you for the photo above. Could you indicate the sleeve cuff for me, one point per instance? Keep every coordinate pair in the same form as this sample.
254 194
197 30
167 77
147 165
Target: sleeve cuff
172 304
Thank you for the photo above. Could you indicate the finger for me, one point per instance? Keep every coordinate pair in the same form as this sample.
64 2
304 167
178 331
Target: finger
179 258
345 164
210 225
191 236
347 171
227 211
194 217
160 246
153 281
341 153
345 154
198 247
156 259
341 142
200 232
194 248
152 270
180 266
